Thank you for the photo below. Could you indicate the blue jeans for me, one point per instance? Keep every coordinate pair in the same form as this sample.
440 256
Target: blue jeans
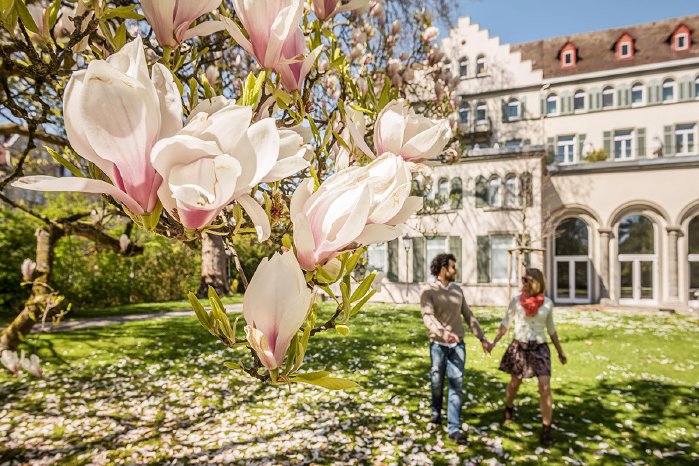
451 361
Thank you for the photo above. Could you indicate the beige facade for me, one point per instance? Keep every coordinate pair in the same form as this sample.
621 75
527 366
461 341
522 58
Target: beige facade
605 144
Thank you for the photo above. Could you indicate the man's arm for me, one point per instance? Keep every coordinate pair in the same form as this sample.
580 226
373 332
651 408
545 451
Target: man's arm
471 320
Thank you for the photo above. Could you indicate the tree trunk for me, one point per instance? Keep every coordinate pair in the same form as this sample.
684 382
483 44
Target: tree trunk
41 294
214 266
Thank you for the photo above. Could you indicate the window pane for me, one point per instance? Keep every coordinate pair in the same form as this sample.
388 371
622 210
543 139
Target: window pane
626 279
646 280
579 101
434 246
581 280
563 279
513 109
499 257
571 238
694 281
376 257
636 235
608 98
494 192
551 105
510 191
637 94
668 90
456 193
694 236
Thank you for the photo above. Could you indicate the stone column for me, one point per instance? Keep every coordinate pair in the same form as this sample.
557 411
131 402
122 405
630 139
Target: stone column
605 235
673 233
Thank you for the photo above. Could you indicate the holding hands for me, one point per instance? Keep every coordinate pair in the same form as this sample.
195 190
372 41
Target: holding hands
487 346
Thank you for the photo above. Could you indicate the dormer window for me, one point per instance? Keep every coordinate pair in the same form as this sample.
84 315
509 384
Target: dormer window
681 38
624 47
568 56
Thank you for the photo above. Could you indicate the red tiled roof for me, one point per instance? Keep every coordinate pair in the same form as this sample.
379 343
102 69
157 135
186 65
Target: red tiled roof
596 49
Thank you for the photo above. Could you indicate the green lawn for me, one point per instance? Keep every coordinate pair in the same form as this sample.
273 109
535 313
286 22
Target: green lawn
153 391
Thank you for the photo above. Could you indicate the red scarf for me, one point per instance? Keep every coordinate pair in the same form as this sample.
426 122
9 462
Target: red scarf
531 304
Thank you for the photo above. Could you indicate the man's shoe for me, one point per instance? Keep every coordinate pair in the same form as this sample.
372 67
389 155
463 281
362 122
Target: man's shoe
459 437
546 437
509 414
436 419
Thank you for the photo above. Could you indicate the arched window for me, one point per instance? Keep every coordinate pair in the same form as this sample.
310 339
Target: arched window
463 67
481 113
637 94
668 90
696 88
608 97
443 191
510 197
693 249
456 194
481 191
494 191
636 235
480 65
464 111
572 263
551 104
514 110
579 100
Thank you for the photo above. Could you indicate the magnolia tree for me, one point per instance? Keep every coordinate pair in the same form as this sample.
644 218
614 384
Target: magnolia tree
299 123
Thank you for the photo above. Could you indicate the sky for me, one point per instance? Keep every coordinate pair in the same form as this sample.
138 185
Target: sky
516 21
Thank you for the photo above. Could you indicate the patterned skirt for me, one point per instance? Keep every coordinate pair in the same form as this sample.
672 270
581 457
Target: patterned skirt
527 360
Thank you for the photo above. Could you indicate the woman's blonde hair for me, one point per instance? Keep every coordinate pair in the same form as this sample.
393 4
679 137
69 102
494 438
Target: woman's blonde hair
537 275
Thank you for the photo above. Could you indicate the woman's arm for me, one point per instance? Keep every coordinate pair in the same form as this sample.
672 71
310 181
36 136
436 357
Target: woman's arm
502 331
561 355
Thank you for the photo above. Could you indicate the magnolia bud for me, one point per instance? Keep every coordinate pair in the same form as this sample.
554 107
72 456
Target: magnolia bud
430 34
395 27
124 242
28 268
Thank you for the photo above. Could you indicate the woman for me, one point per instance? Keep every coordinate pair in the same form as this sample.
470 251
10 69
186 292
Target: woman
528 354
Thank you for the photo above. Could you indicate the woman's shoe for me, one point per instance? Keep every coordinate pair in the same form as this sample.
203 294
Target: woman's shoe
546 437
509 414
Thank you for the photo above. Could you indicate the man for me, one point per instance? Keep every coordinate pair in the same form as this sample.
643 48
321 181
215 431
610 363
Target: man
443 304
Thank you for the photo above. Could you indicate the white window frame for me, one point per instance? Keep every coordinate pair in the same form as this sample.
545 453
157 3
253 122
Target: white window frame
628 53
463 62
552 98
643 95
670 84
514 103
684 36
480 66
464 105
686 133
691 258
584 100
498 200
510 200
571 299
568 58
636 260
379 246
484 107
428 260
569 155
628 139
513 272
609 90
696 87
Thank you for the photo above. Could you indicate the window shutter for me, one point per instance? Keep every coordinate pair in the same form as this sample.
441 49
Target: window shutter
543 106
483 258
608 144
627 96
418 259
641 143
455 248
692 88
669 142
683 93
598 98
550 150
526 193
581 144
392 273
620 97
523 107
591 100
503 108
481 192
650 90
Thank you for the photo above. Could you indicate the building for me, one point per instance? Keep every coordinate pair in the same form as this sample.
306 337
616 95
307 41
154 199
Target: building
583 149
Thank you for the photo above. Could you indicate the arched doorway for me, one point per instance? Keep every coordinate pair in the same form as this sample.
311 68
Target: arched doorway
572 262
637 260
693 258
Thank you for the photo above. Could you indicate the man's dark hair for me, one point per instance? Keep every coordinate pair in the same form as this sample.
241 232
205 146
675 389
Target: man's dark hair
441 260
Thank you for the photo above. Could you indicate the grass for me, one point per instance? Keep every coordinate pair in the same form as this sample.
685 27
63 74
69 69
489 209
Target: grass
151 391
89 312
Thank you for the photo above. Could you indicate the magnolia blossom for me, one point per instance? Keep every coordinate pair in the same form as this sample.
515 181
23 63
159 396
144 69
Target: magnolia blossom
171 19
124 242
218 157
31 365
28 268
275 305
114 113
430 34
357 206
353 135
326 9
10 360
401 131
269 24
293 72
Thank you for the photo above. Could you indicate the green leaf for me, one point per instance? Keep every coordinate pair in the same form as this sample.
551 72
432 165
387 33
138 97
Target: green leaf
361 303
63 161
346 304
236 366
119 37
342 330
199 310
353 259
25 16
125 12
291 354
193 93
331 383
54 8
363 287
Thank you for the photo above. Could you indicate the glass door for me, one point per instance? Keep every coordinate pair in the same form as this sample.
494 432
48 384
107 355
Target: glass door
572 280
637 283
